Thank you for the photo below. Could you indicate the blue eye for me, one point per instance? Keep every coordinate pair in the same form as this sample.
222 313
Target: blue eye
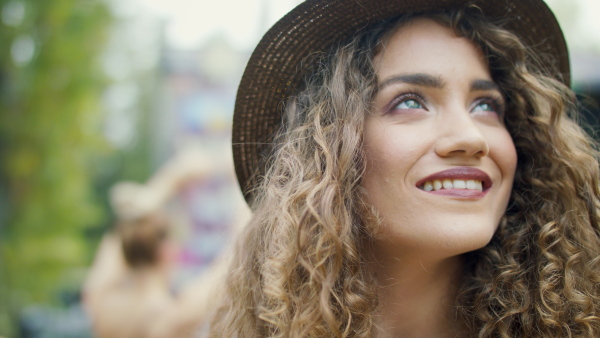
409 104
484 106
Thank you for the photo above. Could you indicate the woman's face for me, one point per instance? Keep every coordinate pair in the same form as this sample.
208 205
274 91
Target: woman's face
440 162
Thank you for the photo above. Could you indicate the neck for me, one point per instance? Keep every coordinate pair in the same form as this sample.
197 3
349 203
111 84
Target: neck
416 296
147 277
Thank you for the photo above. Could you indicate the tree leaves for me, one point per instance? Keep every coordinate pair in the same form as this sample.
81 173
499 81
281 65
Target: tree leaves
49 135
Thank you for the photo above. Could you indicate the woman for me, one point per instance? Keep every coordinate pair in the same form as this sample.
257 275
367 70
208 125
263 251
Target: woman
426 179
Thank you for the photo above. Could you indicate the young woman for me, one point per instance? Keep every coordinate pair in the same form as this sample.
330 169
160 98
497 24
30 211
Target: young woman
415 170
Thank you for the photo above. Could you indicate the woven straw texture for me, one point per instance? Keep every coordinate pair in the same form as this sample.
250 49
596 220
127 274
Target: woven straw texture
275 68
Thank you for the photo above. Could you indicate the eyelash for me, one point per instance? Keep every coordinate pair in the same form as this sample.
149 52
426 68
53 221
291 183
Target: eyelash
496 103
412 95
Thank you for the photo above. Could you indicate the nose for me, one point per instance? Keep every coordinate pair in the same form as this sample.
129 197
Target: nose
460 136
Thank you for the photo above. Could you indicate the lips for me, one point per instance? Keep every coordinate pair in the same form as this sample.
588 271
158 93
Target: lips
478 182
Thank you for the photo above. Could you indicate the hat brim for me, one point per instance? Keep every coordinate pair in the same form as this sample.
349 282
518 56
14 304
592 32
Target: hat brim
273 71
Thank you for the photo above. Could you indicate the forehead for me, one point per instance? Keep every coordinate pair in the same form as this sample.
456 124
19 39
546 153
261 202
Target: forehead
425 45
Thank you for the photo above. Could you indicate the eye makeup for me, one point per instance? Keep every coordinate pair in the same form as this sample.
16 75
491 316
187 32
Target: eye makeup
496 104
392 106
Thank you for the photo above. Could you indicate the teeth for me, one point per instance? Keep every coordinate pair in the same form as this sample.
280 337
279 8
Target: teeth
459 184
436 185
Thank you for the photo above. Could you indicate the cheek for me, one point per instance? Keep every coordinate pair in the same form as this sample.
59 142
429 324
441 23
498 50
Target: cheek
390 153
393 149
504 153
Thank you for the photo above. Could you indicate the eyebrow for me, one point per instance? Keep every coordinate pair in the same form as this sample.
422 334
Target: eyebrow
427 80
419 79
484 85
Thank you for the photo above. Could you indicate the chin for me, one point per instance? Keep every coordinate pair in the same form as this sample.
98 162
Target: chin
438 240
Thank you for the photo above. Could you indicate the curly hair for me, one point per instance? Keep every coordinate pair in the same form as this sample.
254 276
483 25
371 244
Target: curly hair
299 268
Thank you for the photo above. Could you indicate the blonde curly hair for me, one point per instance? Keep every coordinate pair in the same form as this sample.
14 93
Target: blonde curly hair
299 268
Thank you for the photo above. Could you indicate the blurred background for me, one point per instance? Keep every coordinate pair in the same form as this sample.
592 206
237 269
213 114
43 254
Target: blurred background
93 92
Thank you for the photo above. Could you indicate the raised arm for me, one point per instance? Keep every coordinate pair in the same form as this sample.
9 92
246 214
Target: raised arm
127 292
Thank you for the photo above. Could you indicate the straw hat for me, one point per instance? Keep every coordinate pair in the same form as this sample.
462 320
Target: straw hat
274 72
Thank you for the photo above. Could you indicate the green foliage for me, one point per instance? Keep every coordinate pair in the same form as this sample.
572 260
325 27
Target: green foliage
50 142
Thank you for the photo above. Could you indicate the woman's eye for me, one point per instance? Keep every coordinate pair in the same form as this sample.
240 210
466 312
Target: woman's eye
484 106
409 104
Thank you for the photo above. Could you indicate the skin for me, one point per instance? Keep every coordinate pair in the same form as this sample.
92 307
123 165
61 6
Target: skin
122 301
436 108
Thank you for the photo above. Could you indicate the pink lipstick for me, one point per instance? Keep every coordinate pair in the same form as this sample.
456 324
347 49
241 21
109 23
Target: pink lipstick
460 182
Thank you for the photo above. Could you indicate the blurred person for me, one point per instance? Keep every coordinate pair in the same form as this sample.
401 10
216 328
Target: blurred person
129 290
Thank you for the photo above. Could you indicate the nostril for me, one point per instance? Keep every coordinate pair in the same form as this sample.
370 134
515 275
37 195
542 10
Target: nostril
465 144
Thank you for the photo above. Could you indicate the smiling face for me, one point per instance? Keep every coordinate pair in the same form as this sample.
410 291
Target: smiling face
440 162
